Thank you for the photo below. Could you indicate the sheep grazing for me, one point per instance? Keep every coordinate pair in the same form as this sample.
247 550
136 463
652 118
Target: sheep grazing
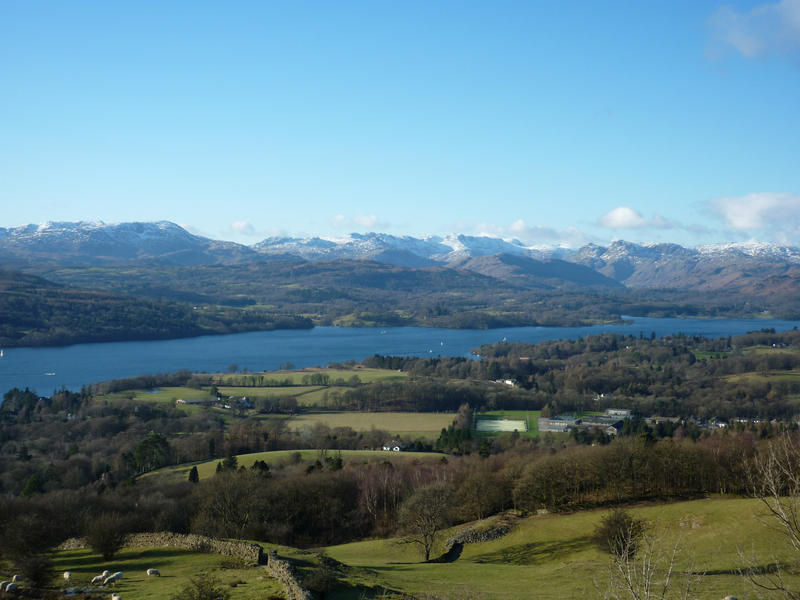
113 578
16 579
67 576
97 579
153 572
116 597
11 587
3 585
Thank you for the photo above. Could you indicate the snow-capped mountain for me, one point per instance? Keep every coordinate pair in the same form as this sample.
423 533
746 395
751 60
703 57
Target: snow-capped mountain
401 250
97 242
752 249
749 266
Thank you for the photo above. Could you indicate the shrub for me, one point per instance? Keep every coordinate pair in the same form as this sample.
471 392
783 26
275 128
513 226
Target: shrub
619 534
106 534
36 569
203 587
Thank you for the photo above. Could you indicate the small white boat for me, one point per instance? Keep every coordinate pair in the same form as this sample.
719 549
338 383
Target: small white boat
50 374
1 353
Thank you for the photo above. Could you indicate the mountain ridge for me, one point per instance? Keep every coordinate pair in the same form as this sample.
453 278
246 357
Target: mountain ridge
749 266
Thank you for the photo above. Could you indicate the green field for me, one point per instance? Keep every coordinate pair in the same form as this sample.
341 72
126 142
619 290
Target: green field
427 425
554 555
366 375
263 392
785 376
234 384
548 557
207 468
177 567
769 350
532 416
164 395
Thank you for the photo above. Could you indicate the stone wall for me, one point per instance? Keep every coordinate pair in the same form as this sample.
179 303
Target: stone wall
479 532
282 571
250 553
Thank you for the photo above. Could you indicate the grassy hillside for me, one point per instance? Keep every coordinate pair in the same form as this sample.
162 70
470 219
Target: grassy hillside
207 468
554 555
549 557
177 567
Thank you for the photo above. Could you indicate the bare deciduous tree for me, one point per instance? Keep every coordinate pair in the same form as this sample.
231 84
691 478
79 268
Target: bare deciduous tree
775 480
423 516
649 572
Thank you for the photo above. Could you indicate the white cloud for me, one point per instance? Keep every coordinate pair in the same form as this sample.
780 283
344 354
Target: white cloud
533 235
759 211
768 28
339 222
623 217
243 228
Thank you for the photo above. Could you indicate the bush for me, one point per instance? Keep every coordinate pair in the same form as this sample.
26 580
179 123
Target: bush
106 534
36 569
619 534
203 587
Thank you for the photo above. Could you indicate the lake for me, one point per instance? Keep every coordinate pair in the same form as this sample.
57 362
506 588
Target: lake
48 369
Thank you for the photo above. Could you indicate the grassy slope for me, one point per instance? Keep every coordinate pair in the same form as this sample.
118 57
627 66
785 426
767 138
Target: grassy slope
207 468
553 555
176 567
770 376
546 557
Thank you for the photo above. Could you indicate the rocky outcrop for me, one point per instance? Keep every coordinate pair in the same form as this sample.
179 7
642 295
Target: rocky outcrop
282 571
250 553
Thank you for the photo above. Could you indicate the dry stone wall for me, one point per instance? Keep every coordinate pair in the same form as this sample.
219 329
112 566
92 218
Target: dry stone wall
250 553
282 571
479 533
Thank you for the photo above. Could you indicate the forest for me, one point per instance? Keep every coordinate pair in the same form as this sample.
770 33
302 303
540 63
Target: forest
64 305
36 312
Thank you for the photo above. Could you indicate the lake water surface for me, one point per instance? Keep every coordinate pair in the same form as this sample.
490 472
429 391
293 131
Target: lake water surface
48 369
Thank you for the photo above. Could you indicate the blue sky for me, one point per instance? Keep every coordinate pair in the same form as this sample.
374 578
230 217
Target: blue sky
555 123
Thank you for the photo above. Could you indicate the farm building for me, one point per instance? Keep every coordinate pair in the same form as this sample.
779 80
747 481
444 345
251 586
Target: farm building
610 422
559 424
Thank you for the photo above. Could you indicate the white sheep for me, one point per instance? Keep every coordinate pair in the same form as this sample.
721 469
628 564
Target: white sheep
16 579
153 572
106 573
67 576
113 578
11 587
116 597
3 585
97 579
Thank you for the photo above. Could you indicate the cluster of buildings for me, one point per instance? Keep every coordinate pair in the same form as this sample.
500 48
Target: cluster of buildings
610 422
